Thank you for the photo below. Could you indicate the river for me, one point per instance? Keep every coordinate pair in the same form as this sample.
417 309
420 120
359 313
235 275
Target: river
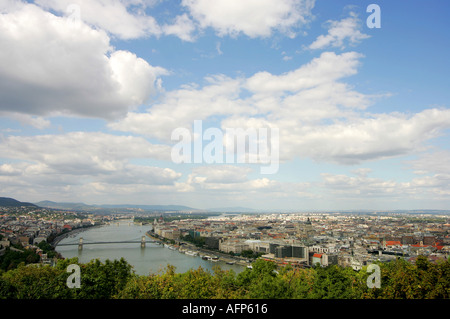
153 258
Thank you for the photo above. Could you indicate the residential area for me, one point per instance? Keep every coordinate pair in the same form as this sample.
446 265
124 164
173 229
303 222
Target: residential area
300 239
306 239
24 228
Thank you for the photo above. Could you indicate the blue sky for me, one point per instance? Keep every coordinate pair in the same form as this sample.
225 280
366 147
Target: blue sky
91 92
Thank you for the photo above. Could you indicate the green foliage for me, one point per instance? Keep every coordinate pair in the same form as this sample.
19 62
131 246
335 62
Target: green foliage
115 279
12 259
403 280
103 280
262 281
250 254
197 241
333 282
34 282
98 280
47 249
194 284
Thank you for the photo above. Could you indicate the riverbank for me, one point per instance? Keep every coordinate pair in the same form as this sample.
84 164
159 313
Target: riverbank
233 260
75 231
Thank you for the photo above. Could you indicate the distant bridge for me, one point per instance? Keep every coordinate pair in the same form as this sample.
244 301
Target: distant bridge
81 243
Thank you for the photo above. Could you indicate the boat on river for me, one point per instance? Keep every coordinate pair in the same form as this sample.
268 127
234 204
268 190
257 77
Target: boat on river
191 253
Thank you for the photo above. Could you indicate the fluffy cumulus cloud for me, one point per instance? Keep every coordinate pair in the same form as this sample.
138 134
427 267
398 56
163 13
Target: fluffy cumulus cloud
327 68
362 139
135 21
225 184
79 157
318 115
182 27
105 14
92 166
340 32
51 65
254 18
312 91
379 192
179 108
220 174
80 152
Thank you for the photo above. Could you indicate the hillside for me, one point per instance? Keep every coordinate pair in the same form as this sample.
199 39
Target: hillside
83 206
63 205
11 202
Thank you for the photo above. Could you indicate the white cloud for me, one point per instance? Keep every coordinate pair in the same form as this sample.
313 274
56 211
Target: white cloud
225 184
181 107
25 119
254 18
10 170
218 49
318 116
79 163
339 32
220 174
51 66
434 174
105 14
183 27
377 192
81 152
135 22
309 91
363 139
327 68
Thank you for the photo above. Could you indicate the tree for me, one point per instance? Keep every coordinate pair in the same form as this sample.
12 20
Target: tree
34 282
115 279
333 282
225 284
47 249
161 286
300 282
196 284
403 280
262 281
250 254
12 258
103 280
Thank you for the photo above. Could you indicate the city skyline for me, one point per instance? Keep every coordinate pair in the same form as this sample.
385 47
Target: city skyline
93 91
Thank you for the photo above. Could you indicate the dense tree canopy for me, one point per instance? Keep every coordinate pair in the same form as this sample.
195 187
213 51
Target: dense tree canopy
116 279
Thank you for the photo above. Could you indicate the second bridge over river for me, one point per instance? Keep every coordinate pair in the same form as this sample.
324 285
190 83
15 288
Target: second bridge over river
81 242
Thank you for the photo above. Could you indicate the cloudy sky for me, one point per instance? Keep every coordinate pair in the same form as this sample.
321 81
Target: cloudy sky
91 92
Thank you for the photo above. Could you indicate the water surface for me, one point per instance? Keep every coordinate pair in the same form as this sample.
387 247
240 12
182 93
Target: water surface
153 258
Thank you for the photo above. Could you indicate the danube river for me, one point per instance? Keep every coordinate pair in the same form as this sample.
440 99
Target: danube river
152 259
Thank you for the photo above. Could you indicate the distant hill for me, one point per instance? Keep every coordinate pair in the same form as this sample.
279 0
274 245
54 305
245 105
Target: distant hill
64 205
11 202
83 206
152 207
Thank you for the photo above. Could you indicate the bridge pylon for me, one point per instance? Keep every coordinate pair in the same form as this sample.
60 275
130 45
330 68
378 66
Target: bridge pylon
80 243
143 242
